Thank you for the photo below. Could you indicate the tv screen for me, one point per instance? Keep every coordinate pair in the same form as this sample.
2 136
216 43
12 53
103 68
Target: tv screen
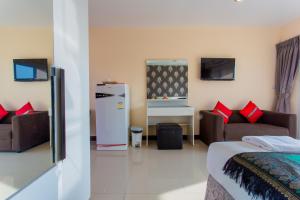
217 68
30 69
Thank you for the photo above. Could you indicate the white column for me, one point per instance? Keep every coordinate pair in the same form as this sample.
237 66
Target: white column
71 52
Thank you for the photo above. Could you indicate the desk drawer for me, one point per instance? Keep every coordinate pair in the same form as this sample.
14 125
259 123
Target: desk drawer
171 111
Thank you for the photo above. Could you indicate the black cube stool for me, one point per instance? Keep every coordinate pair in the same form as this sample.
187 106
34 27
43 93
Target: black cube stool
169 136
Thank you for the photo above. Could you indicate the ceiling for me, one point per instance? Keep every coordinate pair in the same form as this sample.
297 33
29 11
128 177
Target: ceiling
144 13
149 13
25 12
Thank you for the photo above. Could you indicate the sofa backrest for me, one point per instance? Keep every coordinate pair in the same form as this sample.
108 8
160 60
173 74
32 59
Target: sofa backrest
236 117
7 119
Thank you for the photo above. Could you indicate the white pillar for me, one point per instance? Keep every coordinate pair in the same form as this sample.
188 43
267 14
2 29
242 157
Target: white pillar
71 52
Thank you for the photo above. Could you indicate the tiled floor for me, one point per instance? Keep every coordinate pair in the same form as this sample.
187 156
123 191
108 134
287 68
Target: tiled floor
150 174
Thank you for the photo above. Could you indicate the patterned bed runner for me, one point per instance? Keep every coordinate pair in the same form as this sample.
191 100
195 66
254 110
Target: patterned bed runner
268 175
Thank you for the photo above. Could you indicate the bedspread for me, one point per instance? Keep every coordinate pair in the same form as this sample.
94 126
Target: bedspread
268 175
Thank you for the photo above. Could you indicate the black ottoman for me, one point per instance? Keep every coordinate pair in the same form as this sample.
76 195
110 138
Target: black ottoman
169 136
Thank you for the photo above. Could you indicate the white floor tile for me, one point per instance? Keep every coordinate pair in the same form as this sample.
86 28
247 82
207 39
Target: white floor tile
165 197
149 173
107 197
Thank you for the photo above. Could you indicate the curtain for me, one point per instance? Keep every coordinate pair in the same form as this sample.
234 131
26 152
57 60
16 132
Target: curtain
287 63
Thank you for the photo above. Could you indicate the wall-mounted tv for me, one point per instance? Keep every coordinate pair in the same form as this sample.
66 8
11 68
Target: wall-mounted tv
30 69
217 68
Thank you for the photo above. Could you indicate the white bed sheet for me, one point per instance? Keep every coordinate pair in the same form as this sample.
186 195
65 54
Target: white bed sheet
218 154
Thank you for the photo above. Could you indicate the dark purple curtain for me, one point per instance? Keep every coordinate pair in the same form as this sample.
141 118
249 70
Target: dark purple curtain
288 55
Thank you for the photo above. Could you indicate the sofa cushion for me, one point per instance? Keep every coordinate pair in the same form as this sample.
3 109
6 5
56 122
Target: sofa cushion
236 131
222 110
3 112
5 137
26 109
251 112
5 131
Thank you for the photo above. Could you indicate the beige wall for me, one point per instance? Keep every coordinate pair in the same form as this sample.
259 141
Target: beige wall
24 43
120 54
290 30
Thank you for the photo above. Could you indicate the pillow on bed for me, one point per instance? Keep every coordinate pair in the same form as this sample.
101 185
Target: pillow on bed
251 112
223 111
3 112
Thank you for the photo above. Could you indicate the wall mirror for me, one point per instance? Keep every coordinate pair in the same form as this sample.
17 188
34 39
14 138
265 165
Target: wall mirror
26 54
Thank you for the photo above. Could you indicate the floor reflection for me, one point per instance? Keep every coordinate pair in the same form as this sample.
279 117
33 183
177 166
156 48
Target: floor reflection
19 169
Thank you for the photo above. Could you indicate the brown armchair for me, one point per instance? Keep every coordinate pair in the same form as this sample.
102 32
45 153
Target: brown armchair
19 133
213 129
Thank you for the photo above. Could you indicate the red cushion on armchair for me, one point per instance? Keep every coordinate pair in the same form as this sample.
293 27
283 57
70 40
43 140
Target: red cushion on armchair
251 112
222 110
3 112
26 109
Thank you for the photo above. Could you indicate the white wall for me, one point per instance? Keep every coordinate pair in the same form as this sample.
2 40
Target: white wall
71 52
70 180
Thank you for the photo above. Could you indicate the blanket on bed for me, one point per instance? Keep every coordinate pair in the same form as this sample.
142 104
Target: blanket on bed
268 175
274 143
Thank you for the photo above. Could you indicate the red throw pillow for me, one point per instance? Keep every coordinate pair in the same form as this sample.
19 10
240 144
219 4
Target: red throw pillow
3 112
26 109
251 112
222 110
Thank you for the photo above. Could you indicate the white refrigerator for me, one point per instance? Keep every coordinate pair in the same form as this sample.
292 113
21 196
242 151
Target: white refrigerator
112 116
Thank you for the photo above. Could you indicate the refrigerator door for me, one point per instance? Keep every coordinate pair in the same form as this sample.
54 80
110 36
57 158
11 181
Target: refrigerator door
111 119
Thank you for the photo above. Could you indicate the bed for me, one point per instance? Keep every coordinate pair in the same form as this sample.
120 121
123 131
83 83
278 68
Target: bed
221 186
239 170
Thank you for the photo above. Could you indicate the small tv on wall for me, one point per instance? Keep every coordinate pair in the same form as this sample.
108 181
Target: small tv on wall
218 69
30 69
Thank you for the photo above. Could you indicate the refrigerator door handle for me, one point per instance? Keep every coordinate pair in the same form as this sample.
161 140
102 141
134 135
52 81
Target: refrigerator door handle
58 114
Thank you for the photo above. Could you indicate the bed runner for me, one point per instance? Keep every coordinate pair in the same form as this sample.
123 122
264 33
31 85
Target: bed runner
266 175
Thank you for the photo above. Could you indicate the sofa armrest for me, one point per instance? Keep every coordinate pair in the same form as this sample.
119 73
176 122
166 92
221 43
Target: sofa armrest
211 127
281 119
30 130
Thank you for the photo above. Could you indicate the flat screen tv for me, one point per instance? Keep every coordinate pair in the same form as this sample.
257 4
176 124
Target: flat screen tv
30 69
217 68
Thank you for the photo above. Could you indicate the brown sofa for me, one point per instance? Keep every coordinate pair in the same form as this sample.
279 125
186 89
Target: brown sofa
213 129
19 133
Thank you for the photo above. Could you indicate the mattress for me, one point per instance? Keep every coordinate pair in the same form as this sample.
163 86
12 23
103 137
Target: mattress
218 154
